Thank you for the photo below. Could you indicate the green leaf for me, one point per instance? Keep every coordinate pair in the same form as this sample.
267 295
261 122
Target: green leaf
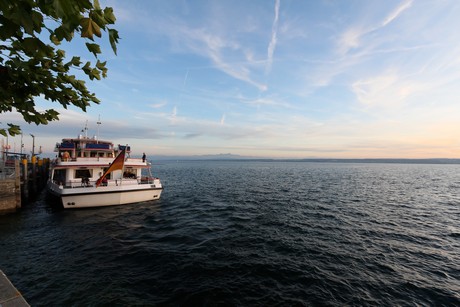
23 17
30 45
63 33
8 28
95 73
37 20
94 48
54 39
64 8
14 129
113 38
86 68
109 16
75 61
60 53
102 68
31 68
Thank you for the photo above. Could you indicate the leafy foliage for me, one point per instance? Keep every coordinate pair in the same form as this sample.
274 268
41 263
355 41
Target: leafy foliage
31 67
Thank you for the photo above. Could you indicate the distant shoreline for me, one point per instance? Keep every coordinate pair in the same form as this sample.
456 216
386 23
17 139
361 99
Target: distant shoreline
311 160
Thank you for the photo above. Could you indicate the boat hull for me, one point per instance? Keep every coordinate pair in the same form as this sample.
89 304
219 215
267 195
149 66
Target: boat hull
105 196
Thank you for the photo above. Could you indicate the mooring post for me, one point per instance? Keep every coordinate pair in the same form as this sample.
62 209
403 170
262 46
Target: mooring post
25 178
34 174
17 183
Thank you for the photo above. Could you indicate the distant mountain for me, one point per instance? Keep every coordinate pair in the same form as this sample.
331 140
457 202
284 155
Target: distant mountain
230 157
226 156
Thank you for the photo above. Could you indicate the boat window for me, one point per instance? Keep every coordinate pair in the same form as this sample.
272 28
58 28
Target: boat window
59 175
83 173
129 173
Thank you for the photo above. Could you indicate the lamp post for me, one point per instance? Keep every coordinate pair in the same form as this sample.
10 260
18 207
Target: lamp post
22 145
33 144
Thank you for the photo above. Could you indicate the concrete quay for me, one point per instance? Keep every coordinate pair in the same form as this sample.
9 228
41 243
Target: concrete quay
9 295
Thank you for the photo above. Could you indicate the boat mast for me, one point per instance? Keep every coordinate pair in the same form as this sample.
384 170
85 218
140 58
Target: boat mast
98 124
85 130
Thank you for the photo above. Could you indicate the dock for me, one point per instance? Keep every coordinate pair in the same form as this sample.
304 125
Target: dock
9 295
20 181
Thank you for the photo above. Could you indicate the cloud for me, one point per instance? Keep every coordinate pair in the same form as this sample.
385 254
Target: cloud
173 116
222 120
158 105
385 90
352 37
237 70
266 101
226 53
398 10
273 41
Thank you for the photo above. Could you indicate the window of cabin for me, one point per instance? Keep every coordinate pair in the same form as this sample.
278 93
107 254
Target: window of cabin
59 175
83 173
129 173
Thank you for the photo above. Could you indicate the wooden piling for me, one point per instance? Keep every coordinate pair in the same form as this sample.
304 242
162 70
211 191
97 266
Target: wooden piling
21 182
25 178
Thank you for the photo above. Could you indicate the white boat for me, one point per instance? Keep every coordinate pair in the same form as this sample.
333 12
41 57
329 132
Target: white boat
92 173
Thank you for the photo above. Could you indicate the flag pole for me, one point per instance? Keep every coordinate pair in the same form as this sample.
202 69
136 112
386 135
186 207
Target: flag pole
117 164
123 167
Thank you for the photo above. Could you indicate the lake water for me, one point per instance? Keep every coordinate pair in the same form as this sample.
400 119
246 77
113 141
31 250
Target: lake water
250 233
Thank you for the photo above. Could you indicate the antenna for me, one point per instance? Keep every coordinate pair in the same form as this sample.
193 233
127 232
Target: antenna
98 124
85 130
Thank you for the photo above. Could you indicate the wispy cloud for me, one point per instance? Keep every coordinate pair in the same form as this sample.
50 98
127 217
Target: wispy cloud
158 105
174 116
266 101
352 37
222 120
214 46
380 91
401 8
273 41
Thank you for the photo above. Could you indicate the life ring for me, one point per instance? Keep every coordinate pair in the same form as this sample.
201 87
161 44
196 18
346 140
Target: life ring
66 156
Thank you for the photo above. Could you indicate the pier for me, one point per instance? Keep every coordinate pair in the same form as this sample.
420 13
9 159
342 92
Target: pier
21 180
9 295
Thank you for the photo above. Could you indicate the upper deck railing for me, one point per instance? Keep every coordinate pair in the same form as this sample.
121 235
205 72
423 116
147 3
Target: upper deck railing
98 161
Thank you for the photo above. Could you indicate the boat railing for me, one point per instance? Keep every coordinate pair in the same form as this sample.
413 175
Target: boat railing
146 180
85 182
137 161
86 159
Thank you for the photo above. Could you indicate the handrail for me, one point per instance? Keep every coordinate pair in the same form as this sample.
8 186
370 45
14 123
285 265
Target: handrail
111 182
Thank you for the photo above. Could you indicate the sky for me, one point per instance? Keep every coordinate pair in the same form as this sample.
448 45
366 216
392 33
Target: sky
273 79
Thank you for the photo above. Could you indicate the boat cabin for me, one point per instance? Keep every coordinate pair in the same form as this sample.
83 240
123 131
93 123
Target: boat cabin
84 147
82 161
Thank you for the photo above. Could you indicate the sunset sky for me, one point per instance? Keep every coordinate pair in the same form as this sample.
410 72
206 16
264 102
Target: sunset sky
277 79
